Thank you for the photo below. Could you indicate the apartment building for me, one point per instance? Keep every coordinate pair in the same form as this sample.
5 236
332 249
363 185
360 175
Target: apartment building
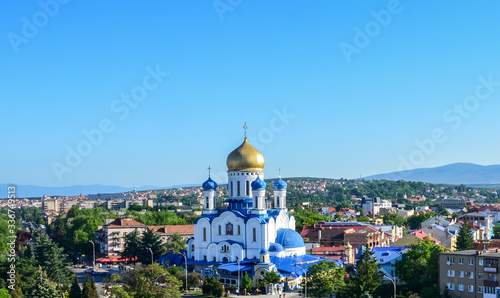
110 237
469 273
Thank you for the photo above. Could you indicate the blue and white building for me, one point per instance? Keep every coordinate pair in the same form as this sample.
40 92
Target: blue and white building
247 234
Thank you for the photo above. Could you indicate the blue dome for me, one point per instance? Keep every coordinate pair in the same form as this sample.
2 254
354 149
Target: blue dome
276 247
258 184
264 251
279 184
289 238
209 184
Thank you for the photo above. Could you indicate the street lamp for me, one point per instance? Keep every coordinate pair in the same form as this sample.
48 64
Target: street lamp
185 258
151 251
93 251
393 282
238 284
305 273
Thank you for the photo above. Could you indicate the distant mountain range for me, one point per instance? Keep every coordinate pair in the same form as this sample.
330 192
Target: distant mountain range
29 191
456 173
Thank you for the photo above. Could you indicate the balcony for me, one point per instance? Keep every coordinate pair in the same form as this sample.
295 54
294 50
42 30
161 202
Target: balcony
490 269
490 283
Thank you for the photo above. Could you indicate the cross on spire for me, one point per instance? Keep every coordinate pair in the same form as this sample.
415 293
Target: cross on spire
245 128
209 168
279 171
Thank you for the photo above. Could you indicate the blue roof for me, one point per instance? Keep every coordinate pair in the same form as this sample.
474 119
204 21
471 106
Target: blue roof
289 238
258 184
298 264
386 257
276 247
233 267
264 251
209 184
279 184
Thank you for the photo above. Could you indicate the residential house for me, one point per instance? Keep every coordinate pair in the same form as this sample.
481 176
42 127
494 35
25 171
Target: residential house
110 237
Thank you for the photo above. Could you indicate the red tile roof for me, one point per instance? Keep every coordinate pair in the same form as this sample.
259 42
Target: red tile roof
328 249
422 235
172 229
125 222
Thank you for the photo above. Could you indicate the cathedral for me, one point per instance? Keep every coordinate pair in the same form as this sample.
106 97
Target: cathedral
247 234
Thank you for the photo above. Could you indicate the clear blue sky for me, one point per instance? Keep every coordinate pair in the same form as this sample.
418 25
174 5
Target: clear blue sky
64 70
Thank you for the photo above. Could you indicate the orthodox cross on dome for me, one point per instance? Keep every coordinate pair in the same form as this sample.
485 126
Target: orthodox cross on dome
279 172
209 168
245 128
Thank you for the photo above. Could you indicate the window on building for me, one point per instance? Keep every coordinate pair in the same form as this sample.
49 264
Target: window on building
480 262
470 288
471 275
204 234
480 289
460 287
480 275
492 276
192 247
450 260
220 230
460 261
461 274
254 232
205 258
451 286
231 188
450 273
471 261
207 202
229 229
238 188
215 259
490 290
277 202
247 188
239 230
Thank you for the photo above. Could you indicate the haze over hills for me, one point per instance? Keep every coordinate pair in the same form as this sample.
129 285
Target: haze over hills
26 191
456 173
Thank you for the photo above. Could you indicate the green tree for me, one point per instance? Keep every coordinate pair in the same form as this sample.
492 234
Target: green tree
43 287
150 281
4 293
465 241
272 278
245 283
150 240
89 289
419 268
496 231
367 277
51 258
75 291
325 278
394 219
194 279
212 287
176 243
131 248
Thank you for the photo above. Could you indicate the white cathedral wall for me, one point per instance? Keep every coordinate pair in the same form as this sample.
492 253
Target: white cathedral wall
242 177
253 247
291 222
271 231
222 221
296 251
282 220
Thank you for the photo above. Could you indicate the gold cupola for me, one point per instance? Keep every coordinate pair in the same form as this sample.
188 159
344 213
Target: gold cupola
245 158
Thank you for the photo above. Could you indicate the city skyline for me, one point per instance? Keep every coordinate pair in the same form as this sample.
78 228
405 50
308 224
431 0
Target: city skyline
136 94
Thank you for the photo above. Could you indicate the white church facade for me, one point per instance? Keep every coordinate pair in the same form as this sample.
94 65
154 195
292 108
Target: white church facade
248 231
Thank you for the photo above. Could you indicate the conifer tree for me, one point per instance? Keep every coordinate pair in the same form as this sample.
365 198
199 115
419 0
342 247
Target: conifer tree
50 257
43 287
75 291
89 290
367 277
465 241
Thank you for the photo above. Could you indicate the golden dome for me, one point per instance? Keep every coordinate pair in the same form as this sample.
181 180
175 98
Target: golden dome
245 158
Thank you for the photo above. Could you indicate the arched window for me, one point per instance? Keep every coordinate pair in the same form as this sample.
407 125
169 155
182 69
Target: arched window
204 234
277 202
238 188
207 202
247 188
220 230
255 203
231 188
254 234
239 230
205 258
215 259
225 260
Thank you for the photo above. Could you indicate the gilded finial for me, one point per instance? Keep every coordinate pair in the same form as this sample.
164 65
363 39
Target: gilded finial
209 168
279 171
245 128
